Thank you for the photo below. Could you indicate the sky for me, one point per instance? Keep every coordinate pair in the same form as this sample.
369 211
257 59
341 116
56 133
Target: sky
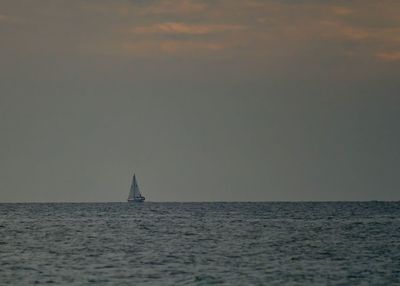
221 100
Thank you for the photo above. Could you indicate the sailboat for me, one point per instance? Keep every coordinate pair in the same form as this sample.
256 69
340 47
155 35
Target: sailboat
134 194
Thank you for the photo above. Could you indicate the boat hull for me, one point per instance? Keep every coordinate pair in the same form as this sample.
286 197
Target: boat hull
141 200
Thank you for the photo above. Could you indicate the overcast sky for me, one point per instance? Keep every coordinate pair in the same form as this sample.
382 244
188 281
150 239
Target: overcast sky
224 100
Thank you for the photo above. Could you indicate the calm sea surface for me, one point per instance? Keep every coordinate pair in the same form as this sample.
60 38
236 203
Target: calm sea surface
200 244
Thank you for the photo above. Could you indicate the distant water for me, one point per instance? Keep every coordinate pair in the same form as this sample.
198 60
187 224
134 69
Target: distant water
200 244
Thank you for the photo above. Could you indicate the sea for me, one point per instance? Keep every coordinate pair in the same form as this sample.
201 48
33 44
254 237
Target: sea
272 243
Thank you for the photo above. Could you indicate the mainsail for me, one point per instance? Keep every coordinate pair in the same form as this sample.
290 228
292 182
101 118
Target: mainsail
134 193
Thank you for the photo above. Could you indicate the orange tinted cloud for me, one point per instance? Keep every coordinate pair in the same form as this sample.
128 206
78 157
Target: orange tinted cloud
342 10
189 46
9 19
260 30
389 56
345 31
182 28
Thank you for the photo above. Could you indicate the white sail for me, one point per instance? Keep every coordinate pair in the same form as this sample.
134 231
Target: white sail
132 190
134 193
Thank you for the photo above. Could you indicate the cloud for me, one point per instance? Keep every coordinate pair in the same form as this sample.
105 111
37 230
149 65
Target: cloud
257 31
363 41
348 31
345 31
9 19
389 56
186 29
342 11
190 46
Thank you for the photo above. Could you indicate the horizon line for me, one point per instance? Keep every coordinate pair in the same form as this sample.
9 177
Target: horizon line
270 201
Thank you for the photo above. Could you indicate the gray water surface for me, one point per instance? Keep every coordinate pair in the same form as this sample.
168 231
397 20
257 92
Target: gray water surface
200 243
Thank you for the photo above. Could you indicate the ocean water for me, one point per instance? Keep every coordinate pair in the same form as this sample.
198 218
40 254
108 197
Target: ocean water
200 243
